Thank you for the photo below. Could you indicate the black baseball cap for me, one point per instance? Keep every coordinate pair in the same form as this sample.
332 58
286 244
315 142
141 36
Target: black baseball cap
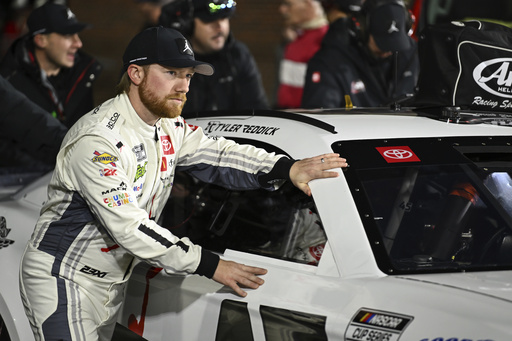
51 17
211 10
164 46
389 28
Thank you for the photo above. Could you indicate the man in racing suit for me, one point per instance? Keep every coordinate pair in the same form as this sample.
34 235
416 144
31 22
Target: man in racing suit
113 176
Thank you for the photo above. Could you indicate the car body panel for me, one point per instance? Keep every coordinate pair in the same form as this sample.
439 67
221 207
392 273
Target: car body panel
20 211
348 280
346 296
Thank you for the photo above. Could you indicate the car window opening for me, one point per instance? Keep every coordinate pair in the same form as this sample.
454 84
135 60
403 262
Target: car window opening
281 224
450 210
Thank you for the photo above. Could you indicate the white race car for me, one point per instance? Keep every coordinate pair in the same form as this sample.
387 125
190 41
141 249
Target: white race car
412 242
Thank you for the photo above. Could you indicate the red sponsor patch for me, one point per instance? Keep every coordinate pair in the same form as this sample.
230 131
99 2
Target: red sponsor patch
108 172
316 251
167 145
163 168
315 77
398 154
193 127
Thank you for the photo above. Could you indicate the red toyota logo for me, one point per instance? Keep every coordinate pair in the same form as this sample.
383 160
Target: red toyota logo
398 154
167 145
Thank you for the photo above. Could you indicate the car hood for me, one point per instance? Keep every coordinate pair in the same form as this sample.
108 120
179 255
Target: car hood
496 284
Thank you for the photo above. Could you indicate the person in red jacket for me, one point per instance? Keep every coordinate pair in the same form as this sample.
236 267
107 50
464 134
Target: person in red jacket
305 25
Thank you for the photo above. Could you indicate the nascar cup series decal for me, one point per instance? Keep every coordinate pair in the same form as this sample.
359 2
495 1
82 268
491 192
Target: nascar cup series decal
370 325
495 77
398 154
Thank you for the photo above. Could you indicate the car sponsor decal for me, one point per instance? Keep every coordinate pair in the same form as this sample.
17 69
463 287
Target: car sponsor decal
4 231
141 170
166 182
370 325
495 77
104 158
121 187
95 111
140 152
217 126
91 271
108 172
118 200
112 121
167 145
499 82
398 154
192 127
163 167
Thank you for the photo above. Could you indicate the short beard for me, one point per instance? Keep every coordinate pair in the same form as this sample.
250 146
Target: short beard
160 107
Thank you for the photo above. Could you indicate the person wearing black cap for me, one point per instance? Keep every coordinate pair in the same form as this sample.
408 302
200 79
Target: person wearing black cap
48 65
114 173
236 84
375 64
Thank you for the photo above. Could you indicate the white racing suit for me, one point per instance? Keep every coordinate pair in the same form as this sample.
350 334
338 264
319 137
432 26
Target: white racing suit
113 177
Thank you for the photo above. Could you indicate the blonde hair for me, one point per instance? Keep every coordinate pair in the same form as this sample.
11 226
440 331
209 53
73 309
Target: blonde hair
124 83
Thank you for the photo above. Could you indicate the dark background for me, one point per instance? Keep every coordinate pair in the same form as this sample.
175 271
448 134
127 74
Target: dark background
256 22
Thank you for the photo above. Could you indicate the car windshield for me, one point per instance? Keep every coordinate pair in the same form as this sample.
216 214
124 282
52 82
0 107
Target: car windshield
434 204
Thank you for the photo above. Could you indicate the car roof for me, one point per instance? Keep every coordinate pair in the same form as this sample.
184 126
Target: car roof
307 132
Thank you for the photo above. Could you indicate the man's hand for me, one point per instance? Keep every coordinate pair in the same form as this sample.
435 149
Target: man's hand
305 170
235 275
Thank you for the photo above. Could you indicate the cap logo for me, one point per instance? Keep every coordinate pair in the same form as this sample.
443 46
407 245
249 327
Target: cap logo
70 14
187 49
184 47
393 27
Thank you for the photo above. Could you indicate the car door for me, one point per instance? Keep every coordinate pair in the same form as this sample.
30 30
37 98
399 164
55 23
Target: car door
280 231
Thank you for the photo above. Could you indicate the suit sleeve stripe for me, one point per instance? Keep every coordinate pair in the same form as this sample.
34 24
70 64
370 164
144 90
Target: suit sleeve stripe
156 236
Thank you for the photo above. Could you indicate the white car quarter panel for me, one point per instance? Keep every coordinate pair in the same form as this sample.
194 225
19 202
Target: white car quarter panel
347 290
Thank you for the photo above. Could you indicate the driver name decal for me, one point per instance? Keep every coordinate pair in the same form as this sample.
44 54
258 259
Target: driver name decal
217 126
398 154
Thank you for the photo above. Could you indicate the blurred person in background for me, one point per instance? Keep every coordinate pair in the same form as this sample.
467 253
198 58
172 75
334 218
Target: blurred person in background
30 137
236 84
150 10
305 25
48 65
367 59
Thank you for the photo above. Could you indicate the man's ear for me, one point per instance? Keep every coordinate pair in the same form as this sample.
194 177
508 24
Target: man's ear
40 40
136 73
